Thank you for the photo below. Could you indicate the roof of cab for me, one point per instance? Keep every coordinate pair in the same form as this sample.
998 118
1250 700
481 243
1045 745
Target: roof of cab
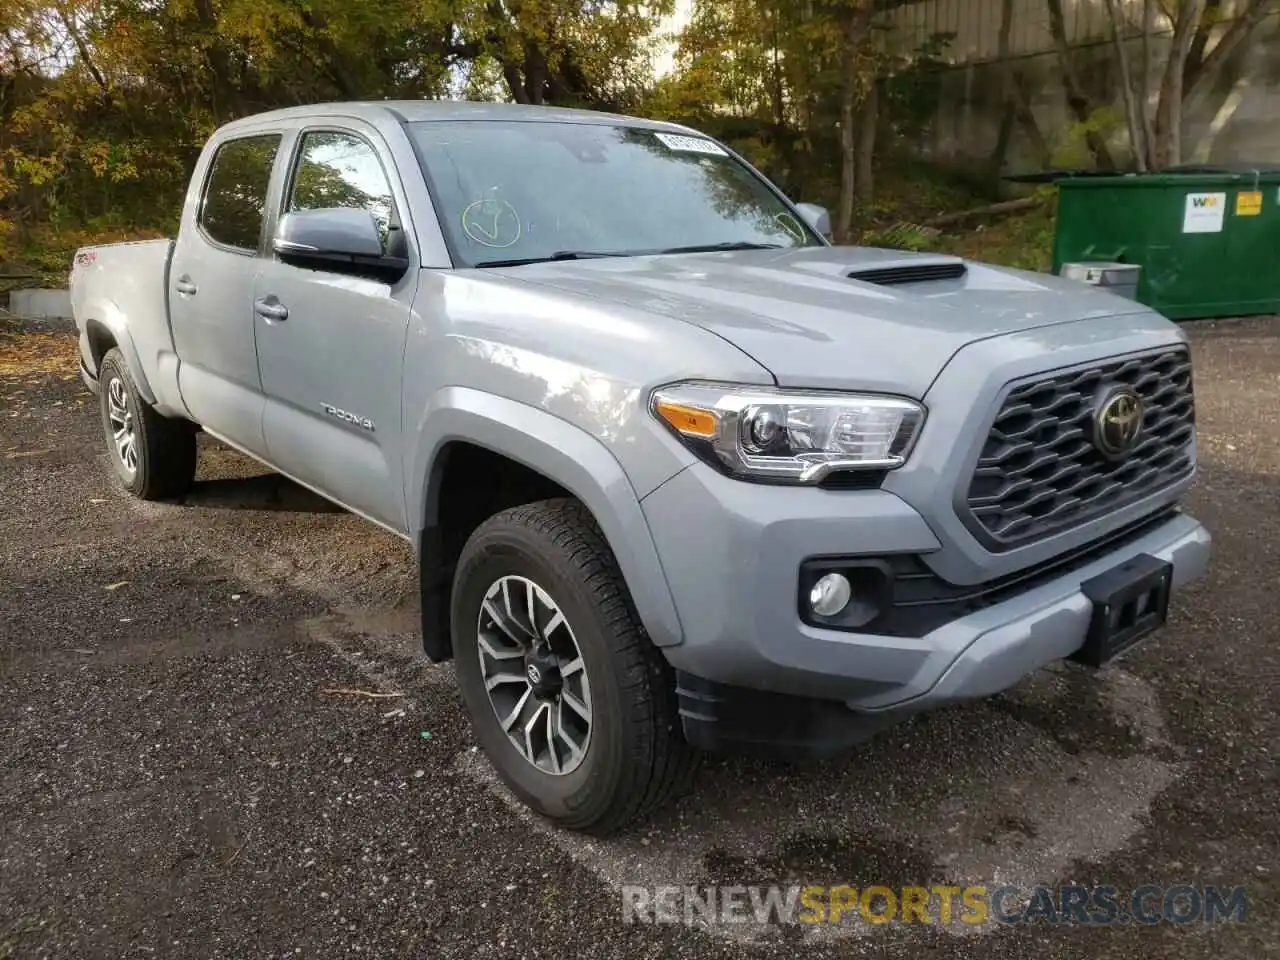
414 111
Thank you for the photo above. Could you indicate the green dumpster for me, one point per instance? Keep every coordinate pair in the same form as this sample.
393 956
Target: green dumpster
1208 243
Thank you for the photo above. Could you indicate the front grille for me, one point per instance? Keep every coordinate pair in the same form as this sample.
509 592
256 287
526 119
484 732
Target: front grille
1039 471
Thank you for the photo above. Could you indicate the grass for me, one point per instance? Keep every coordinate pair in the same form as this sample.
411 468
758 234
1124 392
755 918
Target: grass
910 195
913 192
1023 240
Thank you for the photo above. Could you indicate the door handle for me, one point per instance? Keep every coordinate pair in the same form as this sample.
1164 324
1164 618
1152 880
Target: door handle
185 286
271 308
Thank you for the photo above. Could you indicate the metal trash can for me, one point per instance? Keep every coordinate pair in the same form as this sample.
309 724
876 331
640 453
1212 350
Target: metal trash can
1208 243
1118 278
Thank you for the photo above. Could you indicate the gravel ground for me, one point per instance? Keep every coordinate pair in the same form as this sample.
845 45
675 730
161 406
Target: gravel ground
180 780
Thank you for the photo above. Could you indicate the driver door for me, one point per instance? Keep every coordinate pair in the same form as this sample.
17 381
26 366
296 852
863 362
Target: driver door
331 344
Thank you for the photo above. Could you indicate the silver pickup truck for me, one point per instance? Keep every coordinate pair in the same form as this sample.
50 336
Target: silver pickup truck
680 475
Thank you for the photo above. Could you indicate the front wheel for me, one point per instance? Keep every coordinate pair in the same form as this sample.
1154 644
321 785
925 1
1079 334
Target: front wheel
154 456
570 701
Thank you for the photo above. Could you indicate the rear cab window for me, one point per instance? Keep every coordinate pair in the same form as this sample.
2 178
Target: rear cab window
234 205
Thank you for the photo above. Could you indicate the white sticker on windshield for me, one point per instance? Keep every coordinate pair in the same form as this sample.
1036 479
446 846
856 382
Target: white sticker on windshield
675 141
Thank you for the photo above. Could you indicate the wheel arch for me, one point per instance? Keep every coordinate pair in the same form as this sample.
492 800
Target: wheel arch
104 328
548 457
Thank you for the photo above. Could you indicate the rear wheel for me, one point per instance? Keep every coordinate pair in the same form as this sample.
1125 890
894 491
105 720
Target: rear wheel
154 456
571 702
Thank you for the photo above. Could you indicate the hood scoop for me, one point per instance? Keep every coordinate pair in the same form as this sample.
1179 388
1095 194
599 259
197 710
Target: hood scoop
911 271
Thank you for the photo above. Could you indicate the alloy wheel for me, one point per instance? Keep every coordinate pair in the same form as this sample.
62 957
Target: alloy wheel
122 425
534 675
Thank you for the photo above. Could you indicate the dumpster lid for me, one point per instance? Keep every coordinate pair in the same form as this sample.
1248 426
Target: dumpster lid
1223 168
1181 169
1053 176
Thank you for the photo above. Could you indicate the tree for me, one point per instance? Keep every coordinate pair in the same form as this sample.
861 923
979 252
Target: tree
790 83
1081 104
1192 66
1167 147
857 111
1136 117
104 104
592 53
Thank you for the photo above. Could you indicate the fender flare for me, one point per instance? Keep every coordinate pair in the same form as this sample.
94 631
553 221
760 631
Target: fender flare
564 454
108 315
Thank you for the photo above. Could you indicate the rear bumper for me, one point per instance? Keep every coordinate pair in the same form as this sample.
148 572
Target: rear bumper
734 575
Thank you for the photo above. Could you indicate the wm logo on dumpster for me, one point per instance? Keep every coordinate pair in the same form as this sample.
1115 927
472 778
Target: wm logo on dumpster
1210 201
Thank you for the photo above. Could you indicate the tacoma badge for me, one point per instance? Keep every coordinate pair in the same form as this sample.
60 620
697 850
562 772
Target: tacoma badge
353 418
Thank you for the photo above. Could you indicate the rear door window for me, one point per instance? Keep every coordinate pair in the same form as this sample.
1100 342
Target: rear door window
235 192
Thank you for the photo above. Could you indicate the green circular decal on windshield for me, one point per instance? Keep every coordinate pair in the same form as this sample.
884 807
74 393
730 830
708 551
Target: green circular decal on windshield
492 223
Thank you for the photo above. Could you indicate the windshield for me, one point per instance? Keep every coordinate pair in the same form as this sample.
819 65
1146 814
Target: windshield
528 191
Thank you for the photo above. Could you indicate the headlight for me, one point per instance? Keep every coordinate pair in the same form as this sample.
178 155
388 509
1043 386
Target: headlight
788 436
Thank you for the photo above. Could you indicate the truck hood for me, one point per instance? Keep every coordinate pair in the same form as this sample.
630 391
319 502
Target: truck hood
806 317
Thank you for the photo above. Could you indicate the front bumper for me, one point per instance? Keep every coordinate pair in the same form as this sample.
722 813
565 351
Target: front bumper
732 551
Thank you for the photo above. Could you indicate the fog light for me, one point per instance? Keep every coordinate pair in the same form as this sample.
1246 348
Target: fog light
830 595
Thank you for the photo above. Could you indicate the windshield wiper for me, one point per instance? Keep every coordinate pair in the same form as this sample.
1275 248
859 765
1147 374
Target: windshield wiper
558 255
713 247
593 254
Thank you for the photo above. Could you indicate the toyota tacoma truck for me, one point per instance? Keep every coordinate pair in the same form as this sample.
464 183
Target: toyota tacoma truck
680 474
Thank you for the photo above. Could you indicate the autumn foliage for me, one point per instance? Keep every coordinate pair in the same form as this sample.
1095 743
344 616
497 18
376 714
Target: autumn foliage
104 105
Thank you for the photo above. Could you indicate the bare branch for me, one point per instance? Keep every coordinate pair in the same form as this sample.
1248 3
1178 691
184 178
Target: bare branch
1080 103
1202 76
1136 140
1144 83
1168 150
82 48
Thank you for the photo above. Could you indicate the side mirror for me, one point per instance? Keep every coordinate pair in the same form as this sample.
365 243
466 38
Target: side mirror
817 217
339 239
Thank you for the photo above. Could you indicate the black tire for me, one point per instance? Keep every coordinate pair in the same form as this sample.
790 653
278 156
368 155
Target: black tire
636 758
164 448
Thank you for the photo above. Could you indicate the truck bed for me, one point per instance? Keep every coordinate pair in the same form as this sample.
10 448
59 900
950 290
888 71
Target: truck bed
119 294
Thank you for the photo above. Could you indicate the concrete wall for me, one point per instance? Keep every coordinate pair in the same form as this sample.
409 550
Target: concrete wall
974 25
40 304
1237 122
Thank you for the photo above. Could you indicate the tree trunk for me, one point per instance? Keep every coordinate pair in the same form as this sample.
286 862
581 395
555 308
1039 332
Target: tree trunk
1144 84
1168 146
1027 120
1137 142
777 97
864 179
848 138
535 74
515 82
331 60
1199 43
856 31
1202 72
1005 136
991 210
1082 106
82 49
225 97
848 162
